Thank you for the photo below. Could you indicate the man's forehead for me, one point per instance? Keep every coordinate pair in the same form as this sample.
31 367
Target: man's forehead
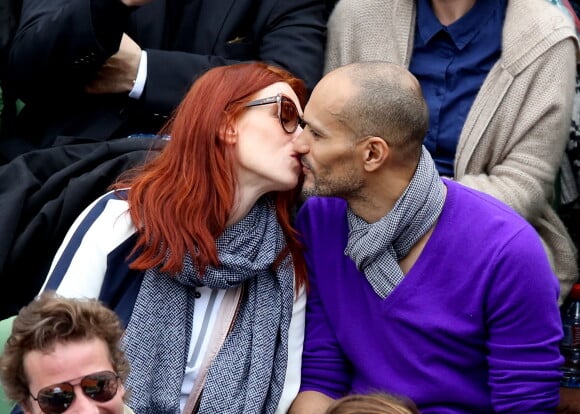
327 118
330 96
335 88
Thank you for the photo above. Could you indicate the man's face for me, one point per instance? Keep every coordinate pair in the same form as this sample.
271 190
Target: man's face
327 145
70 362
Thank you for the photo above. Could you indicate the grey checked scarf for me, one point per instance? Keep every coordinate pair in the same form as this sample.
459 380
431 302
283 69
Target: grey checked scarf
377 248
247 374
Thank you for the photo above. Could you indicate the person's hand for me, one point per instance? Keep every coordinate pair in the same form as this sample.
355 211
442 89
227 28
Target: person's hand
569 401
119 71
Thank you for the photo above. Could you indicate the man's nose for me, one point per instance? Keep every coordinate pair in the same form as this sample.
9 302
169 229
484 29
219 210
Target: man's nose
82 404
300 142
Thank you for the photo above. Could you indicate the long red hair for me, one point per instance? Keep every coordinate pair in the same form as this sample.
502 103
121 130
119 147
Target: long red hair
181 200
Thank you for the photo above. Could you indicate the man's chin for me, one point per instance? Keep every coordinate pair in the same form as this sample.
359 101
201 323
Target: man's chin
308 191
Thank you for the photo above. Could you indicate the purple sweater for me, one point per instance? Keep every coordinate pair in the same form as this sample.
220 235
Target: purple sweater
473 328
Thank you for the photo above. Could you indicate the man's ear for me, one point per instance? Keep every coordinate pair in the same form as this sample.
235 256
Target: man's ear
375 152
26 408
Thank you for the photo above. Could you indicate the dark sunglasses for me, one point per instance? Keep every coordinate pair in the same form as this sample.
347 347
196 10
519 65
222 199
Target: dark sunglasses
287 111
99 386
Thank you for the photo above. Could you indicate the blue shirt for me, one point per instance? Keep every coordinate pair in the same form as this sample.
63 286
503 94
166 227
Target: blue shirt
451 63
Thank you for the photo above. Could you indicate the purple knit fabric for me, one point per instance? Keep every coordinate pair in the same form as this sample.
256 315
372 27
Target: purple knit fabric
473 328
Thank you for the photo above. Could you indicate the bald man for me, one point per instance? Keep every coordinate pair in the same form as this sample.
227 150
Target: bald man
420 286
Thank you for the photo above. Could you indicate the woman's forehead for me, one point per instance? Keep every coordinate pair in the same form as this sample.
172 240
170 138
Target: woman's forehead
276 88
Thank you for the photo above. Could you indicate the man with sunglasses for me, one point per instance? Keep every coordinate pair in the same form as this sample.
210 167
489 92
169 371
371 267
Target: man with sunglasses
63 356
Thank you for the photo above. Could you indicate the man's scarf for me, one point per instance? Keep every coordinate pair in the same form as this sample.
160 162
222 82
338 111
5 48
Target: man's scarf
377 248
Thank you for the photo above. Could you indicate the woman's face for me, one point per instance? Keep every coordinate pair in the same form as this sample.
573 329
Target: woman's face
267 161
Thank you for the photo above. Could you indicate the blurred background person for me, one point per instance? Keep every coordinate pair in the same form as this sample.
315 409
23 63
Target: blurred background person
103 69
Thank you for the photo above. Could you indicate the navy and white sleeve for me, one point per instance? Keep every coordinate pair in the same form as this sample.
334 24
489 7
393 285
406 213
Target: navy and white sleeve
80 264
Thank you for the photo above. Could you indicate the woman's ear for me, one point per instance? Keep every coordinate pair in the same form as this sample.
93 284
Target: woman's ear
229 133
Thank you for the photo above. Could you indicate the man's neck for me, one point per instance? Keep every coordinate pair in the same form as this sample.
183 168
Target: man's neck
379 195
449 11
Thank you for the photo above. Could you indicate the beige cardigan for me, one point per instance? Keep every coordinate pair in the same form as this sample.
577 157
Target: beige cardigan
514 136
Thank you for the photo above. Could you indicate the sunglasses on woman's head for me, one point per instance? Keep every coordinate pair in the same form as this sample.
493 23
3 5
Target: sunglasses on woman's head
287 111
57 398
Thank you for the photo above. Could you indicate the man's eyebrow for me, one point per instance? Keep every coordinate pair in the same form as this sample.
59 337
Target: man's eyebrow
311 125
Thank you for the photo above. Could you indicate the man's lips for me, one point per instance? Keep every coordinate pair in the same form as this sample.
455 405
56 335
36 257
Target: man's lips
305 165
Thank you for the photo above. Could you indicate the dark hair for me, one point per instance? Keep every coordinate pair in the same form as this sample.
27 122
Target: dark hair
181 200
49 320
388 103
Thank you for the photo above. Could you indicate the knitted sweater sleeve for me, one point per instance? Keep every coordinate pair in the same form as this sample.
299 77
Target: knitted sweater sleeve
523 354
339 36
324 367
369 30
519 154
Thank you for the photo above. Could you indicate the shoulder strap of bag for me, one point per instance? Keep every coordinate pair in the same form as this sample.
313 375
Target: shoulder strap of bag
225 319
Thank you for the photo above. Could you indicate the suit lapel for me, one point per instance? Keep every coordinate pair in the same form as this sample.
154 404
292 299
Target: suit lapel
213 14
204 29
145 22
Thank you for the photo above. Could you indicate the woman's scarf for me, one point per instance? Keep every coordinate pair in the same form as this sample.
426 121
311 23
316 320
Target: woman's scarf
377 248
247 375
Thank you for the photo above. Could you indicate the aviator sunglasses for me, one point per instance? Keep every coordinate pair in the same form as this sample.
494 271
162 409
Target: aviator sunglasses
57 398
287 111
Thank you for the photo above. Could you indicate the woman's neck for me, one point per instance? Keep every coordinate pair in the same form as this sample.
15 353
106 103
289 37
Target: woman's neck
244 201
449 11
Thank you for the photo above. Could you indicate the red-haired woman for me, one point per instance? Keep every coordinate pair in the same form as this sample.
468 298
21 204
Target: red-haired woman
202 230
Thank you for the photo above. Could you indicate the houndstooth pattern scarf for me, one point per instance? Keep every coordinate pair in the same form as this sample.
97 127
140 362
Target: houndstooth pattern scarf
377 248
247 374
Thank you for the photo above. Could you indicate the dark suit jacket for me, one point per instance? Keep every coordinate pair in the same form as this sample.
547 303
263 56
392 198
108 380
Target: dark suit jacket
60 44
42 193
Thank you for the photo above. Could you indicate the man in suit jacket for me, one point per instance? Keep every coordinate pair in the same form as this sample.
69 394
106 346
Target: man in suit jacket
105 69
